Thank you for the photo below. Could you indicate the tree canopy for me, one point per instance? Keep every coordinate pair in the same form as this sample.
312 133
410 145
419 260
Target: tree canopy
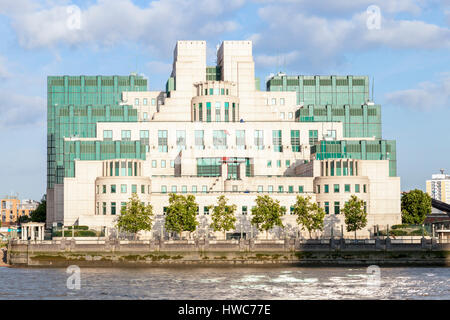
223 216
416 206
40 214
309 215
181 213
135 216
267 213
355 214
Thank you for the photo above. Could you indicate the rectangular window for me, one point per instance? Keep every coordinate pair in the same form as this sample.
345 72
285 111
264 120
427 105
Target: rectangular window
217 111
145 101
345 168
291 189
280 189
288 163
338 168
274 101
104 208
174 189
260 189
219 139
244 210
291 210
116 166
347 188
240 139
336 188
204 189
130 169
206 210
144 137
154 163
300 189
295 140
327 208
227 111
208 111
259 139
282 101
332 169
162 140
133 188
136 101
200 112
337 208
276 139
123 188
123 206
199 140
356 188
222 91
163 189
126 135
313 137
326 188
153 101
184 189
142 188
269 163
278 163
365 188
107 135
234 111
318 189
270 189
113 188
211 91
181 140
113 208
163 163
104 188
194 189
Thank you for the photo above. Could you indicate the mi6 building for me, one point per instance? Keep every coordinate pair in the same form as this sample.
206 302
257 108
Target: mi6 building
212 131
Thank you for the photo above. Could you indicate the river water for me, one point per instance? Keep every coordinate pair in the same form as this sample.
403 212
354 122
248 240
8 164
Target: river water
227 283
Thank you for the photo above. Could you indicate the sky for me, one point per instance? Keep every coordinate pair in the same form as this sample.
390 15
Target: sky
404 45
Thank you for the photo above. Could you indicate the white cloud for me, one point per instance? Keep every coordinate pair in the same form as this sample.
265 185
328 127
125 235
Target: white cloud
324 41
18 110
276 60
336 8
426 96
158 25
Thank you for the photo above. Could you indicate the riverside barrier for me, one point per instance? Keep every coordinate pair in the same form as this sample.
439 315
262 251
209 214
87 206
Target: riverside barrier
115 252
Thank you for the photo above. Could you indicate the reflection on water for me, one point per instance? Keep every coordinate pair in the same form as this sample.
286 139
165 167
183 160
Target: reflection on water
227 283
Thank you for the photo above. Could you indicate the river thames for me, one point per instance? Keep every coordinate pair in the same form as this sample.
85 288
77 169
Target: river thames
228 283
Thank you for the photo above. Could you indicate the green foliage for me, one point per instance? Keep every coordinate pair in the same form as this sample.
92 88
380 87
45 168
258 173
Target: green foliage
24 219
267 213
78 227
309 215
181 213
355 216
416 206
40 214
79 233
223 218
135 216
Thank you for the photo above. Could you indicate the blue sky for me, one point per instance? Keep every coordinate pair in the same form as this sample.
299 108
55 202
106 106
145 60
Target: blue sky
408 55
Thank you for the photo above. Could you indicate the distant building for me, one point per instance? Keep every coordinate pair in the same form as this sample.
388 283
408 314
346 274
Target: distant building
11 209
439 187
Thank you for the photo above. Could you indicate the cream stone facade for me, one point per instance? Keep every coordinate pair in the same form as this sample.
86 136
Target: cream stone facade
214 137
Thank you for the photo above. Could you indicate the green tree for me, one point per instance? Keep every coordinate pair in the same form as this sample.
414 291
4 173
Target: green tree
309 215
223 218
355 215
135 216
23 219
181 213
416 206
267 213
40 214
